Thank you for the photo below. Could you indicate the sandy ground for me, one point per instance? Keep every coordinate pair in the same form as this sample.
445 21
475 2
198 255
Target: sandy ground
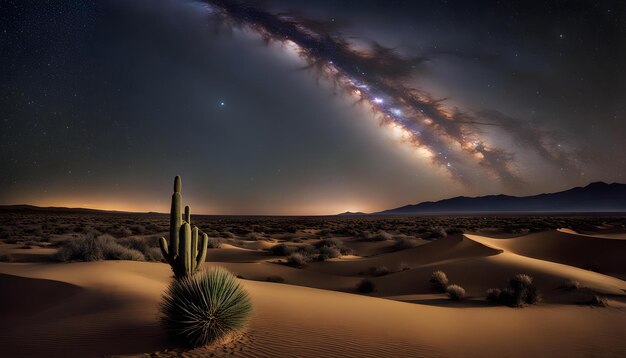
111 307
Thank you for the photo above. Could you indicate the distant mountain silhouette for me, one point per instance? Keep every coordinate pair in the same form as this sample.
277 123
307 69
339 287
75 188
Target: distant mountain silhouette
350 213
595 197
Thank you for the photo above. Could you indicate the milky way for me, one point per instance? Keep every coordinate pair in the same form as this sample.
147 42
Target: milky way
379 78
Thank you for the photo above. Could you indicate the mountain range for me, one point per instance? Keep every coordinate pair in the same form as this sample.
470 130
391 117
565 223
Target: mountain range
595 197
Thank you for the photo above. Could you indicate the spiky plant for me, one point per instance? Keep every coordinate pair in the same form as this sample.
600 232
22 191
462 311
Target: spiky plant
205 307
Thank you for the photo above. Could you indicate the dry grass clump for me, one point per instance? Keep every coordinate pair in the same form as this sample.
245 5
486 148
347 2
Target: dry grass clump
455 292
571 285
96 248
522 291
297 260
439 281
381 235
404 243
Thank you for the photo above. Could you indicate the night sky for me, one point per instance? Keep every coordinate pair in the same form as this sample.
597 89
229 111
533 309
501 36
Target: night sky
307 107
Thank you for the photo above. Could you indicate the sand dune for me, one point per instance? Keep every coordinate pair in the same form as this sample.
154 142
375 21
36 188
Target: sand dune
106 308
600 254
111 307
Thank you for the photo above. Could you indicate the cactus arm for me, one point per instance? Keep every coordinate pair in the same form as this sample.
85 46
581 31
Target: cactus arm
202 252
164 251
187 218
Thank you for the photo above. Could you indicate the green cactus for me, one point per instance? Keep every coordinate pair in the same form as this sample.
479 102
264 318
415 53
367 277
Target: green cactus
185 253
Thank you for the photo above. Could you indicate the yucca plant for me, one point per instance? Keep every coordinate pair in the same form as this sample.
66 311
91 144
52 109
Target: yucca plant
205 307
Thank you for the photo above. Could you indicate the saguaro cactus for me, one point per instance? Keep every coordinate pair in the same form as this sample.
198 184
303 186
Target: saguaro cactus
185 253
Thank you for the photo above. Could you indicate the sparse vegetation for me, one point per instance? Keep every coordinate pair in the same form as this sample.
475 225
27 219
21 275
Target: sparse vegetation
378 271
522 291
95 248
296 260
366 286
598 301
205 307
439 281
455 292
404 243
571 285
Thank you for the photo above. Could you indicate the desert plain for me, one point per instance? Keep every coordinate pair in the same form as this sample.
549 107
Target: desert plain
304 276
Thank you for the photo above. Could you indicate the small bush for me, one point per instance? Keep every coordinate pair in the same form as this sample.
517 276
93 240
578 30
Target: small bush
330 242
571 285
366 286
493 295
455 292
214 243
598 301
524 290
282 250
327 252
95 248
403 266
205 307
153 254
439 281
378 271
521 291
379 236
296 260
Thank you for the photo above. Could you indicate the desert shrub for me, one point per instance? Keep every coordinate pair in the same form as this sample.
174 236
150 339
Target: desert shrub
227 235
276 279
142 245
214 243
153 254
366 286
205 307
296 260
598 301
330 242
134 243
524 290
455 292
377 271
403 266
571 285
95 248
493 295
282 250
439 281
327 252
521 291
438 232
346 251
404 243
307 250
378 236
253 236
